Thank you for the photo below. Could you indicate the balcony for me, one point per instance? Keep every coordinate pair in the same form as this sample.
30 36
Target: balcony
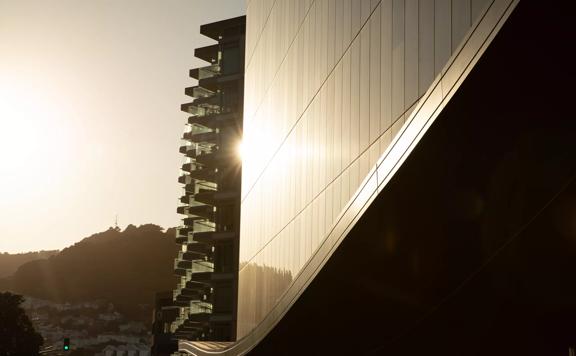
197 110
199 287
183 149
182 272
213 121
224 29
202 267
222 80
183 235
198 92
203 306
182 209
190 298
189 150
183 239
185 298
205 72
197 318
183 231
192 219
185 179
189 167
185 199
205 174
181 264
214 198
195 251
189 189
210 54
195 266
218 158
208 278
213 101
211 238
204 211
194 295
208 137
182 304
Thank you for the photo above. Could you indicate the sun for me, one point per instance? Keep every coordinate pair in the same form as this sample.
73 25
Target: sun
240 150
34 145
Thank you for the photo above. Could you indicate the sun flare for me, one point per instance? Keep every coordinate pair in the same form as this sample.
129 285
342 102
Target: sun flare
34 145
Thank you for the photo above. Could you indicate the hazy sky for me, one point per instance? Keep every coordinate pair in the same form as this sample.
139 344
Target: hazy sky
89 113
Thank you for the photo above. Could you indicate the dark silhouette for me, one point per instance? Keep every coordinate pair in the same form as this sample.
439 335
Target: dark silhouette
17 334
125 268
9 263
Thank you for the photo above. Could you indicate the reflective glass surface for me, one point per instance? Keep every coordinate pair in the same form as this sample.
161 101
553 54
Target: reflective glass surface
328 84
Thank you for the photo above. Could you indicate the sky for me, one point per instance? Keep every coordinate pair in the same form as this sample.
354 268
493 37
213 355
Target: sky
90 124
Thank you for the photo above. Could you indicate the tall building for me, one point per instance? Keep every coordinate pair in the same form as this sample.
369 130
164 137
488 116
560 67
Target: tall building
211 174
407 179
163 342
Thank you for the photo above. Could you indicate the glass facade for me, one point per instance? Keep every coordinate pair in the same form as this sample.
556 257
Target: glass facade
329 84
469 248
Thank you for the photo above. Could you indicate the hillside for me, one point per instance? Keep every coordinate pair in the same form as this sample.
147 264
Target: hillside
124 267
9 263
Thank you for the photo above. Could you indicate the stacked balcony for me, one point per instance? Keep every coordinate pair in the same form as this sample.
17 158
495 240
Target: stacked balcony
207 265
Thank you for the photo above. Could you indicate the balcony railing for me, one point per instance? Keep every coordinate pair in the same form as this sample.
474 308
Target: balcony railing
205 72
198 92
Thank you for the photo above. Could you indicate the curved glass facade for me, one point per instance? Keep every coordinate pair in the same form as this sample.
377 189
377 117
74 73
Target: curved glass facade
329 84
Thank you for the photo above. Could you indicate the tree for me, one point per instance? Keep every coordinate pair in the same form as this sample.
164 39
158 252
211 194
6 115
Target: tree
17 334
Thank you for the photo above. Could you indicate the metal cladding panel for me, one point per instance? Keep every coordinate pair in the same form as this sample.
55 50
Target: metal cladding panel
442 33
328 86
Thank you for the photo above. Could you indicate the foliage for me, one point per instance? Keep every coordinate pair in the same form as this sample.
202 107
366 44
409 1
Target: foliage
123 267
9 263
17 334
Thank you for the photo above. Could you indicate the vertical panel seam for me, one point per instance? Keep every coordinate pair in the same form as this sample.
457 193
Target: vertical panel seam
306 108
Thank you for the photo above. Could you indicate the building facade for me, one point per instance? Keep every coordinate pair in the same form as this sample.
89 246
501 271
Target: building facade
329 84
207 265
348 243
165 312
